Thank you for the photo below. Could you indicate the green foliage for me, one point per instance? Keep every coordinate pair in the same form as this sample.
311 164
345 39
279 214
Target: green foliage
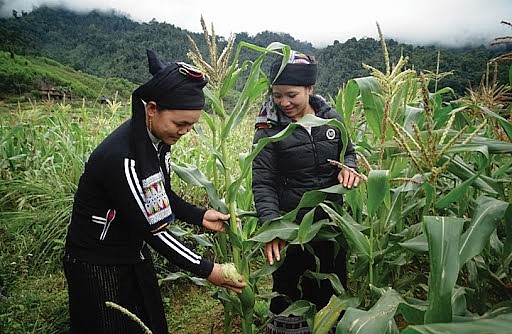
43 152
108 44
21 75
38 304
439 203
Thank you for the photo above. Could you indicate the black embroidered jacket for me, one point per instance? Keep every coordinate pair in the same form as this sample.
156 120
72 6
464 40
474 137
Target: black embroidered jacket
115 213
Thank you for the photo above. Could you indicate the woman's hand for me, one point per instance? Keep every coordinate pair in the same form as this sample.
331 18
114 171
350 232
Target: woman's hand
218 278
348 178
213 220
273 249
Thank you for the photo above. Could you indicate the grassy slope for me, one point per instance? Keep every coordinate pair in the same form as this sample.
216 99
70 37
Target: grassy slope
26 72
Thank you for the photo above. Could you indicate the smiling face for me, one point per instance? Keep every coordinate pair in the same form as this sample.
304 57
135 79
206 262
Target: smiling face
293 100
170 125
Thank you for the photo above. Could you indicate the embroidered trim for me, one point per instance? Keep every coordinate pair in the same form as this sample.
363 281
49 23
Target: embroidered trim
161 209
156 201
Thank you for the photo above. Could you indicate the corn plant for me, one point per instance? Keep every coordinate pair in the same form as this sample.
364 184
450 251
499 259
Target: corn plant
420 156
426 154
228 189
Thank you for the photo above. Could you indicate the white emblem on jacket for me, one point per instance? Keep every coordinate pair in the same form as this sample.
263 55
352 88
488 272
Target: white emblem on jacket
330 133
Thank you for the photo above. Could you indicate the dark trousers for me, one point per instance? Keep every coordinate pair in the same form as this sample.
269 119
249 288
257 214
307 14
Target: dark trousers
132 286
287 277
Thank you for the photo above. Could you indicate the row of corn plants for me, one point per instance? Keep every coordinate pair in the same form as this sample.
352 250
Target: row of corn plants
436 201
429 234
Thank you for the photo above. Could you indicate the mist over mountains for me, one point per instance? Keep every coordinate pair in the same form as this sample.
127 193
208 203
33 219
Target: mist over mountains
455 23
113 45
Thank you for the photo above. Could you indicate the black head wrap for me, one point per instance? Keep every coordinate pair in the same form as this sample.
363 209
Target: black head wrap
300 70
175 85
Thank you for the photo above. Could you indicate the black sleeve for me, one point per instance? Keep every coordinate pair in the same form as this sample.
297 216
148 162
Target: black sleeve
123 185
185 211
350 156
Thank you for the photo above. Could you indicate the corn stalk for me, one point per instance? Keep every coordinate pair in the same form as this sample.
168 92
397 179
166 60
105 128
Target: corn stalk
228 192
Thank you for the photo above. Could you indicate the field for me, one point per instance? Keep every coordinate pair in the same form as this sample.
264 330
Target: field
429 234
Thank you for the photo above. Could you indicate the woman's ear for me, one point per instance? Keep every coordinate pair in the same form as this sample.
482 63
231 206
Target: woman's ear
151 108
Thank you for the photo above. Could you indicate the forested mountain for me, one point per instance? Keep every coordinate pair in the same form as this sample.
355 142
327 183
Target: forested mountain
112 45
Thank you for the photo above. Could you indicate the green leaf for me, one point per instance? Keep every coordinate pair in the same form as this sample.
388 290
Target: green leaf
328 316
299 308
193 176
413 311
253 88
354 237
454 195
443 234
417 244
463 171
350 100
498 325
308 230
378 190
374 321
488 212
276 229
373 105
333 279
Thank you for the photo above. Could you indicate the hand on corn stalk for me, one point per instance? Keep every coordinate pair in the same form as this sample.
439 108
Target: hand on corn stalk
348 176
213 220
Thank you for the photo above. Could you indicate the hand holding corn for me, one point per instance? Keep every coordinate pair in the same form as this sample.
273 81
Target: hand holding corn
227 276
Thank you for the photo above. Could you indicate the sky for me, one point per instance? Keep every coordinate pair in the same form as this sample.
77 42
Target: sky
320 22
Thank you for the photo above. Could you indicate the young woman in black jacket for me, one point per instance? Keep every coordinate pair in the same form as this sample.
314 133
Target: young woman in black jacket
283 171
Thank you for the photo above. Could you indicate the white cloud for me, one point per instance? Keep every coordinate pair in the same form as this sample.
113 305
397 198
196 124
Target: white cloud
319 22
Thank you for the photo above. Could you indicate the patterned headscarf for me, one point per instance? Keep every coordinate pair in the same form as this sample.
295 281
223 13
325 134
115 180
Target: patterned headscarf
300 70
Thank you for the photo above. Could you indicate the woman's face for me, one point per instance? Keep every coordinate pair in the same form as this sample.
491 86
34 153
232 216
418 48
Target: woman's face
293 100
170 125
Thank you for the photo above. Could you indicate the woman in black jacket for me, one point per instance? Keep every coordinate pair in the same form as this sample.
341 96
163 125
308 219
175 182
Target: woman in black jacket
283 171
124 203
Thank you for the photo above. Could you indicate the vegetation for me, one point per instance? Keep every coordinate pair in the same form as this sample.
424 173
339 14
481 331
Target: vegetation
429 234
109 45
22 78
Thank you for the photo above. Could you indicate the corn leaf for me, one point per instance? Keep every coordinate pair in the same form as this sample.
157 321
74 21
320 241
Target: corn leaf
276 229
489 212
417 244
193 176
498 325
333 279
454 195
354 237
373 106
377 320
464 172
378 190
328 316
443 234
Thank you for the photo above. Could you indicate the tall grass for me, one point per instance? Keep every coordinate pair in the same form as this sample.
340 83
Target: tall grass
44 148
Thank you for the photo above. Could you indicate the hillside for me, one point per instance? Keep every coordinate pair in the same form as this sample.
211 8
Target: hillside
39 76
109 45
